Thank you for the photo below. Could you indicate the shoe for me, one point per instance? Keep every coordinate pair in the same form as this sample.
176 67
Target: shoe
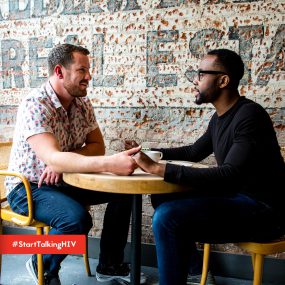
32 268
49 279
119 272
196 279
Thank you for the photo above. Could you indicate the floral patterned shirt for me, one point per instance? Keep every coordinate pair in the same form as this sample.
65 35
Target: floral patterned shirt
42 112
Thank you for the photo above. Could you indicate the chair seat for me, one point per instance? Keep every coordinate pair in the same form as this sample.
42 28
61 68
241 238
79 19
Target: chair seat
257 250
264 248
8 215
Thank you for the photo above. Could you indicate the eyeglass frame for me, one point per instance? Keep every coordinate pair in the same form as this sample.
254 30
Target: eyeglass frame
199 71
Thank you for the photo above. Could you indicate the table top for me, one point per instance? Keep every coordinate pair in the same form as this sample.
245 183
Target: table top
137 183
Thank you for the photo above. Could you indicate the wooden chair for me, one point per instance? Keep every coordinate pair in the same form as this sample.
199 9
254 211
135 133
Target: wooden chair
256 249
6 213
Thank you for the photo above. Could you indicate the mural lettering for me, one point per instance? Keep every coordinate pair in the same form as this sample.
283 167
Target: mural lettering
40 10
274 59
70 7
155 57
15 13
37 63
14 55
99 79
246 36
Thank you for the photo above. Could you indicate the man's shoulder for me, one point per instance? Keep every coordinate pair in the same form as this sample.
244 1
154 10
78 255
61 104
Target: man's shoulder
37 93
38 102
248 105
251 110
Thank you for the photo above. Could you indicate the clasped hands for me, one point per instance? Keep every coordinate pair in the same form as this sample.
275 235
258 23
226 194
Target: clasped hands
142 160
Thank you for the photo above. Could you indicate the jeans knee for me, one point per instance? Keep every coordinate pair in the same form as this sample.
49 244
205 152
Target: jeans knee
77 224
160 218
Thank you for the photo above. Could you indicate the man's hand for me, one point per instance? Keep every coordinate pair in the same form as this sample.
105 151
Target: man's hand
50 177
130 144
148 165
122 163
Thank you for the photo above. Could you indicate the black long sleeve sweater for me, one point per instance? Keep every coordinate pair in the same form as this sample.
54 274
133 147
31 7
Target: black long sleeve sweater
248 156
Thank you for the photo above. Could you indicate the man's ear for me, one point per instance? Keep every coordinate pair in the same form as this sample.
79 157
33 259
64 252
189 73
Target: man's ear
224 81
58 71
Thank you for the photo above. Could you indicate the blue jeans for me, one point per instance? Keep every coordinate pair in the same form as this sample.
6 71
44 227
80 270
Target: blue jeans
180 220
64 209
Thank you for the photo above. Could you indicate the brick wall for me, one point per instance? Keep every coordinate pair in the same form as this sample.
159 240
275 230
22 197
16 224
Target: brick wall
140 51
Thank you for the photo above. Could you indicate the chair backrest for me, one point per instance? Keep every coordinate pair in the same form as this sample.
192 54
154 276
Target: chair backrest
5 149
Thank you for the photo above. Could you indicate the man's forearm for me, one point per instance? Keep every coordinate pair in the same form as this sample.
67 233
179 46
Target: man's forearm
74 162
159 169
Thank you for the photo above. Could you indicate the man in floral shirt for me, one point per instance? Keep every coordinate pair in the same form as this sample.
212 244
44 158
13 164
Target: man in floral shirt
56 131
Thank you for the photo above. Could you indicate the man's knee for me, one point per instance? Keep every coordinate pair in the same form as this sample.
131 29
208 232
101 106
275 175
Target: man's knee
161 217
79 223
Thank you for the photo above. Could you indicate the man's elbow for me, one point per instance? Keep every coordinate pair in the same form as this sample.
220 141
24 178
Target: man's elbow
53 163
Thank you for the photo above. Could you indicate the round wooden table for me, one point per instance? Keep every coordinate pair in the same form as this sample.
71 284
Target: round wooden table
136 184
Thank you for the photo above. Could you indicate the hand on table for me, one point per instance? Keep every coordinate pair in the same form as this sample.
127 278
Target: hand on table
50 177
148 165
122 163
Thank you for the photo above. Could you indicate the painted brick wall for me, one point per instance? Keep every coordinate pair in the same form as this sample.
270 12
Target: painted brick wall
140 52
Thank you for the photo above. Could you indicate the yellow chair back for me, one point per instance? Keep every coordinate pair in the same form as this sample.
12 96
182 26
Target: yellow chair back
5 149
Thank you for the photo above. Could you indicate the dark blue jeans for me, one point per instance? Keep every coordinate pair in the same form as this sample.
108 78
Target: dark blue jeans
64 209
181 220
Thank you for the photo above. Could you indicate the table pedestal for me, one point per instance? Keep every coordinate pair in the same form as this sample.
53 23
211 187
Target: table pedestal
136 239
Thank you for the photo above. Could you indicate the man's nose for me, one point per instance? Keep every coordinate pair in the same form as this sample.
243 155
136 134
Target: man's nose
88 76
195 80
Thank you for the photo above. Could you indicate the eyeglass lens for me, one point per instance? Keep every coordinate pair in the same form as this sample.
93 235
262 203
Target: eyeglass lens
191 75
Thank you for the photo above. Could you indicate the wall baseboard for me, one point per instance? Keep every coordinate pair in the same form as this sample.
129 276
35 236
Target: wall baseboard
222 264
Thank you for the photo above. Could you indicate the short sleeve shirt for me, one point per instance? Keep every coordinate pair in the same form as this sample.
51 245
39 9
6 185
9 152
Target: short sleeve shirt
42 112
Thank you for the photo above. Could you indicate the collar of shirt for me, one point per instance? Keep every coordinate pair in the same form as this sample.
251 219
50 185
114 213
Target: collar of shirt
54 99
51 93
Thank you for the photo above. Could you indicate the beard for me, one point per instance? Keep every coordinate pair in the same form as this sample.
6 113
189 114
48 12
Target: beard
204 97
75 91
200 98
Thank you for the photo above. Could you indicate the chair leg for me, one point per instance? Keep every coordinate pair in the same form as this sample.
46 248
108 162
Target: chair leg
86 260
85 256
46 230
258 269
253 260
206 258
40 262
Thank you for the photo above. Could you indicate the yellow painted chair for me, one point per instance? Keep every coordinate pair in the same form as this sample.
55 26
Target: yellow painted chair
257 250
6 214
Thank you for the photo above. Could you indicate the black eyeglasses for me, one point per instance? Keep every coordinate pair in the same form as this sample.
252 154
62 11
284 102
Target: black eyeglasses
193 74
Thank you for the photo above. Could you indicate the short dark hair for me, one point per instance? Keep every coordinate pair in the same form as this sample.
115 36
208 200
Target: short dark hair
232 63
63 54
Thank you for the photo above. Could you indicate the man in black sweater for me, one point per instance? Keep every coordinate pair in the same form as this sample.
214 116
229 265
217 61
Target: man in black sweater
240 199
